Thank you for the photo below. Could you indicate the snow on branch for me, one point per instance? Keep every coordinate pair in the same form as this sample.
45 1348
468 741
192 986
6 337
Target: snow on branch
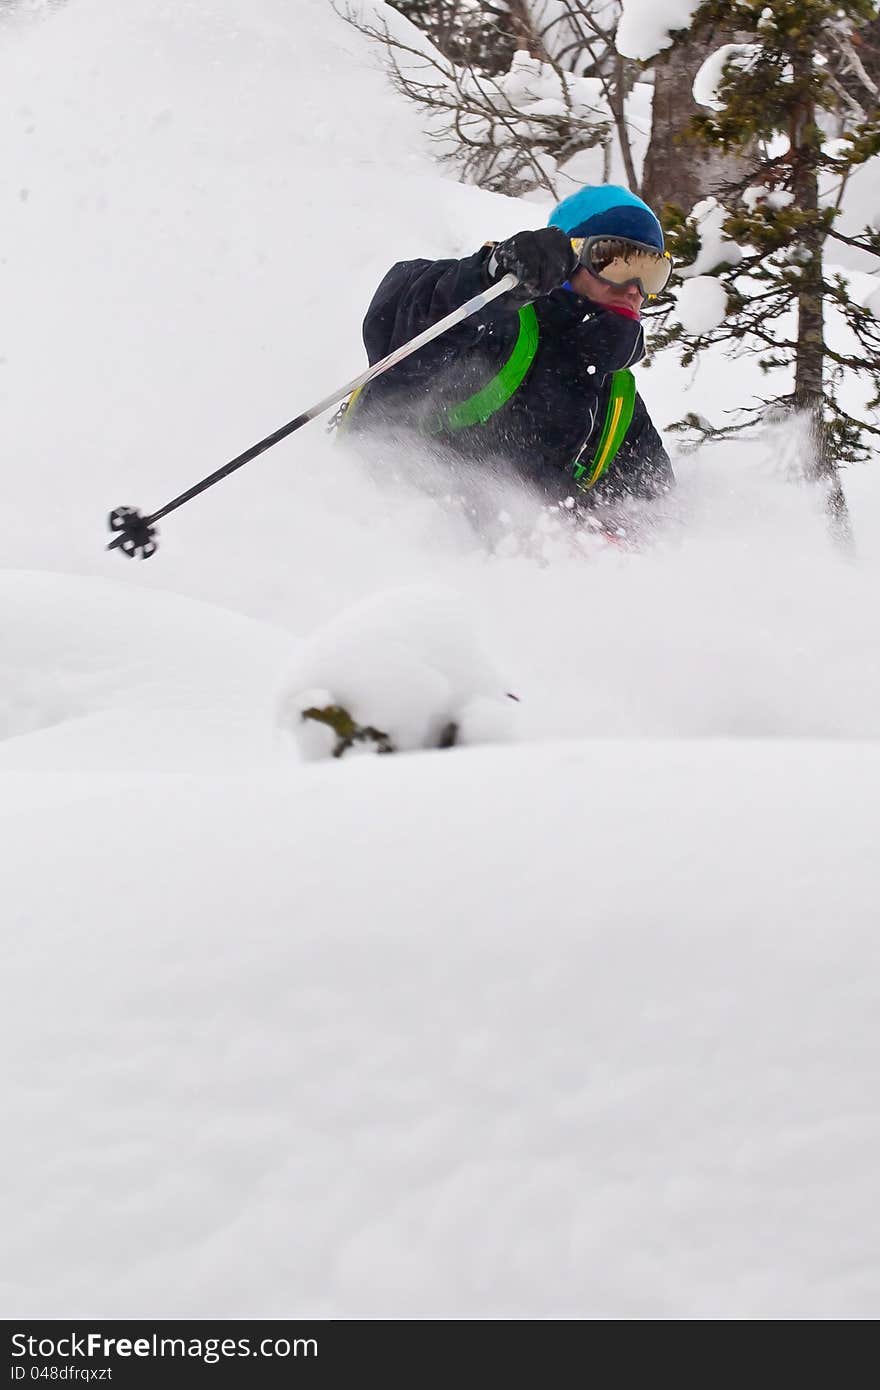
646 26
718 67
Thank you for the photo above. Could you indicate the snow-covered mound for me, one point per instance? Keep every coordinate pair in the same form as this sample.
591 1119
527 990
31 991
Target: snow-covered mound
98 676
584 1026
406 664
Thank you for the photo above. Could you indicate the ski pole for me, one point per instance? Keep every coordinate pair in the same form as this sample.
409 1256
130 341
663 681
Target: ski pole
135 534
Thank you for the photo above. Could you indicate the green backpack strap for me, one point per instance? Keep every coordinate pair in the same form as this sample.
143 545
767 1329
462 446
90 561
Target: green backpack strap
480 407
618 418
477 409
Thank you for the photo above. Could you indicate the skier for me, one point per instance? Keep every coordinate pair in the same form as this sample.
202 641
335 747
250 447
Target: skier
540 378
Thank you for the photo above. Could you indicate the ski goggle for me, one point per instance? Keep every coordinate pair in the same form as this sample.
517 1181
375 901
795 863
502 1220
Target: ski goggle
620 262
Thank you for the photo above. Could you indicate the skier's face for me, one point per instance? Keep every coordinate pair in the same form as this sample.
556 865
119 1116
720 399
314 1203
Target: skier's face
600 292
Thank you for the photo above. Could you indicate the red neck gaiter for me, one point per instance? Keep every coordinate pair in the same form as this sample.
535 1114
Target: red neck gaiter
623 309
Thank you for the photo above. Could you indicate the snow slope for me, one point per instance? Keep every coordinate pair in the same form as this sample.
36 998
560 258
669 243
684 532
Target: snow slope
583 1026
429 1043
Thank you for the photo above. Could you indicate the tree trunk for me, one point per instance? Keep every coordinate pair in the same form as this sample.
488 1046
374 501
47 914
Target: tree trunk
678 168
809 380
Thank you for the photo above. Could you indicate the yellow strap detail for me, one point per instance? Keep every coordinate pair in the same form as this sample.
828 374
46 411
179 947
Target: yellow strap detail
599 464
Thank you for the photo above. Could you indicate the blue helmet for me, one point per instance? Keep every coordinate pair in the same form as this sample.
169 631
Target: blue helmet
607 210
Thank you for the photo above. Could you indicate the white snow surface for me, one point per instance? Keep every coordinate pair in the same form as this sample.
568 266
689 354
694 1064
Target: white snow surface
582 1024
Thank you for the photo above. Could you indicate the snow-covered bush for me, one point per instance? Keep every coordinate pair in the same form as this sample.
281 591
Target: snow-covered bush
401 670
513 128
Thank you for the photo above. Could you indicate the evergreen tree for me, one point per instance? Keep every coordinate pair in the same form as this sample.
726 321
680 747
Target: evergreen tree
797 98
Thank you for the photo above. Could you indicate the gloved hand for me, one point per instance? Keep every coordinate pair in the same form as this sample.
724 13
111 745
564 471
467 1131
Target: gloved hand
540 260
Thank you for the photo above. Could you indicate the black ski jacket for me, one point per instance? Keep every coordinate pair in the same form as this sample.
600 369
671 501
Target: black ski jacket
555 415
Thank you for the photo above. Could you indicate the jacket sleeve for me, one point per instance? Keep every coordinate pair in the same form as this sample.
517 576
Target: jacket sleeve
416 294
642 467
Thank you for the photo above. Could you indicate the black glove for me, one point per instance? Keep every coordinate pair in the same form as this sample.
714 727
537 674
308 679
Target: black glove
540 260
